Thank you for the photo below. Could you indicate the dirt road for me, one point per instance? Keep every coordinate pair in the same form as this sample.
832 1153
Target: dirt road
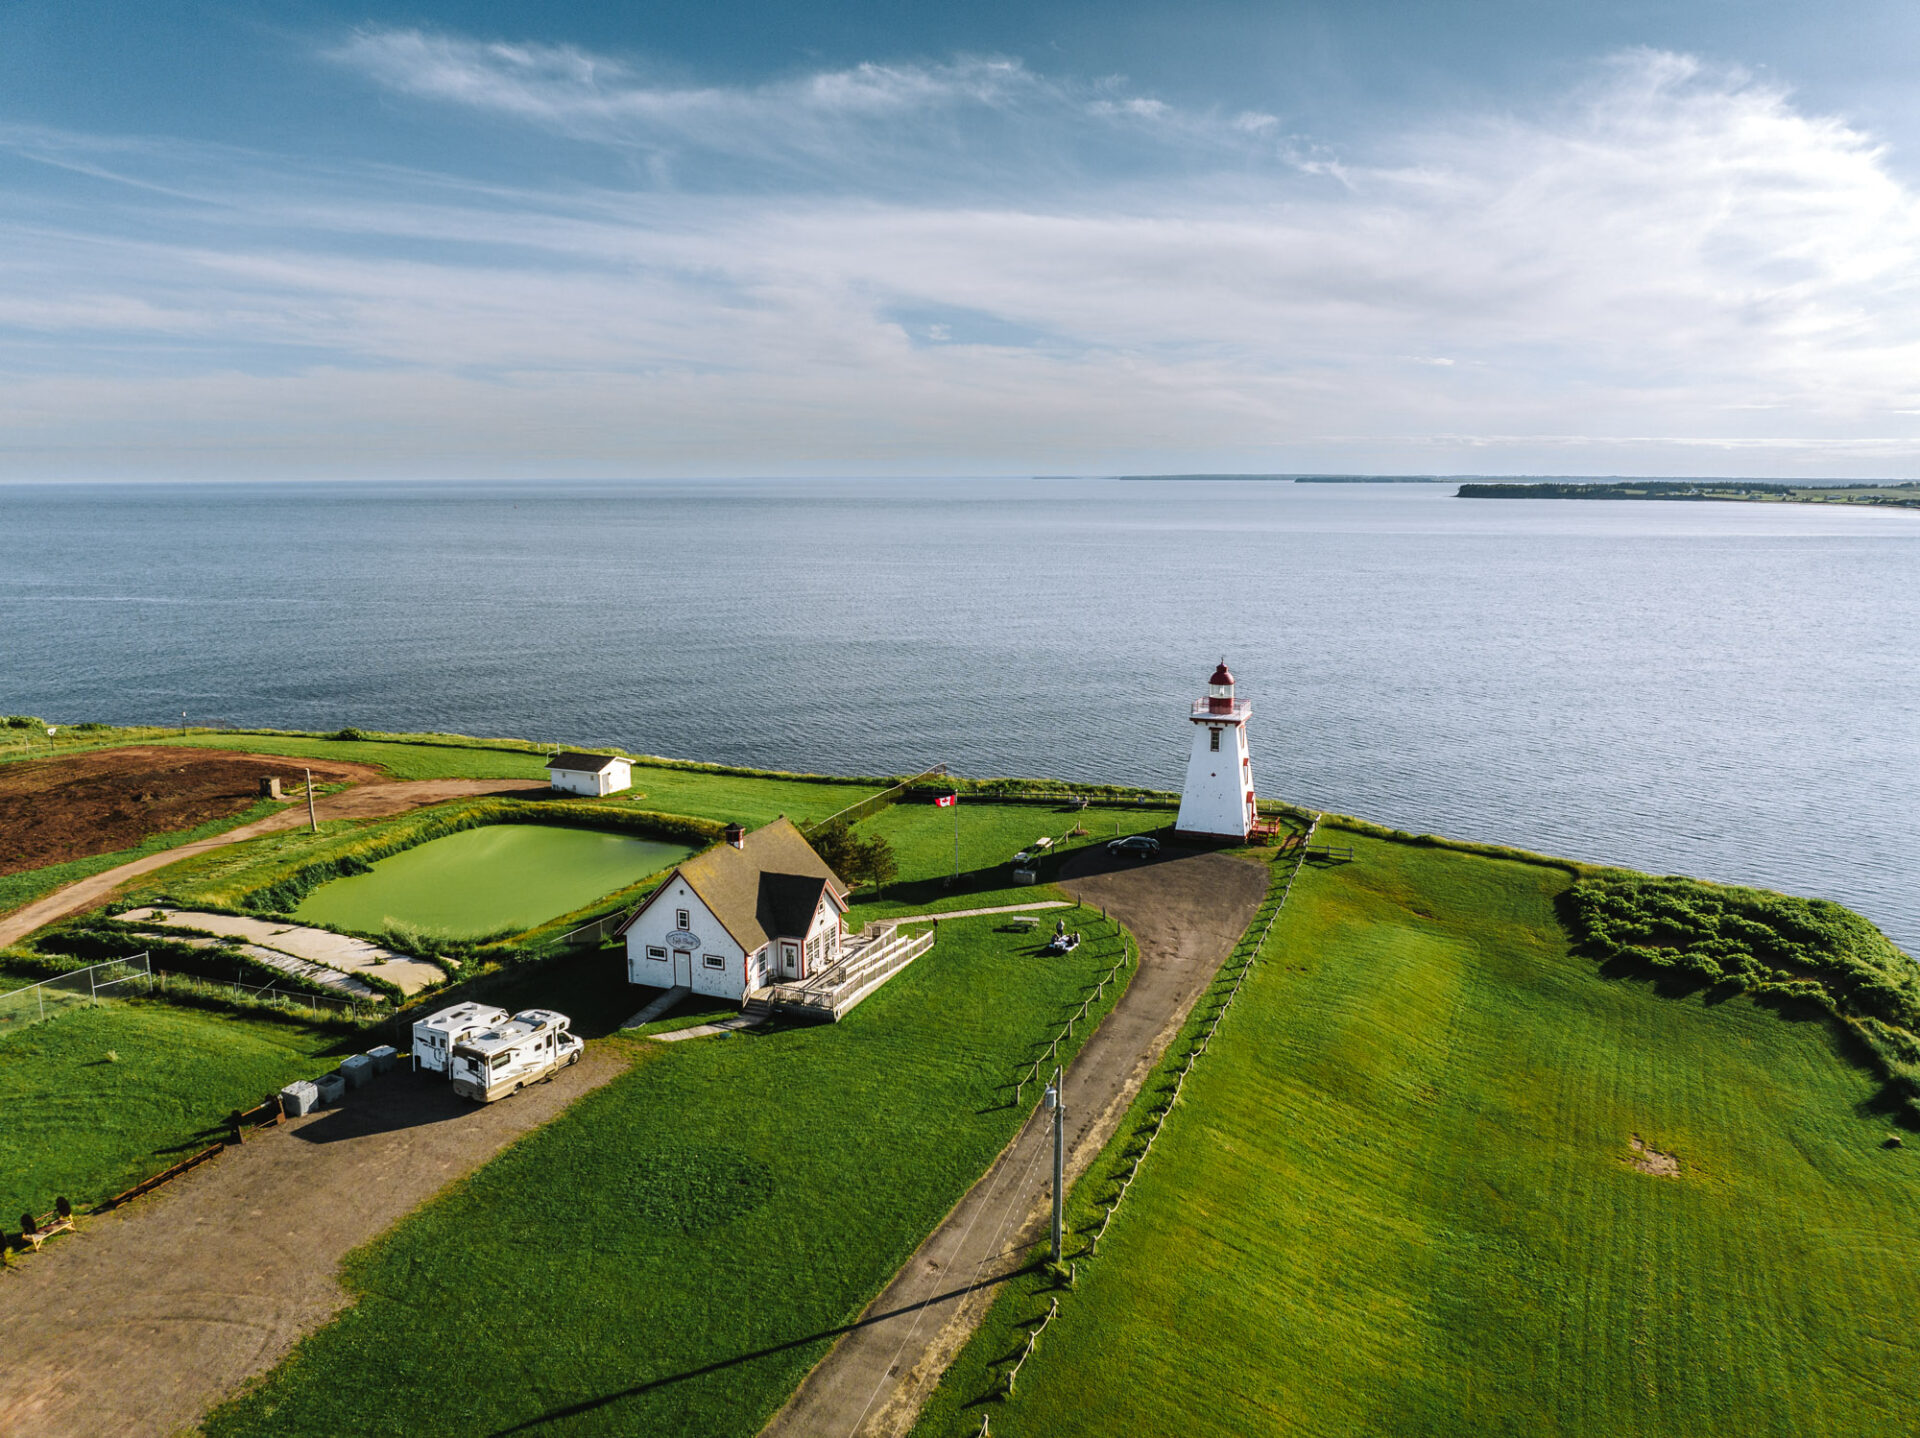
363 801
145 1318
1188 911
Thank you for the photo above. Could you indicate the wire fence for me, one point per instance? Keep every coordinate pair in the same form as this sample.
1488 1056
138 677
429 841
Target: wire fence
1066 1032
874 803
136 976
78 988
1156 1119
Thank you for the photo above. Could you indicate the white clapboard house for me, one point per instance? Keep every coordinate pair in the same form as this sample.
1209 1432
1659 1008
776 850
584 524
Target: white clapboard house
594 775
760 909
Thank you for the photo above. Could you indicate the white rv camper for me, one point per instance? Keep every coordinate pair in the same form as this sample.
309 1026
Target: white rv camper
434 1036
534 1045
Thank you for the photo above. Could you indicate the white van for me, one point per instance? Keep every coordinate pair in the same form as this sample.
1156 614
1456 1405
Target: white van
533 1045
434 1036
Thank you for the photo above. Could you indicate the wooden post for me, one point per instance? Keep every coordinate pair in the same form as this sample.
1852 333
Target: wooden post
313 824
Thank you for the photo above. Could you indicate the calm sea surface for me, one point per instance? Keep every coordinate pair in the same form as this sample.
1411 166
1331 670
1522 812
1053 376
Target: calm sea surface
1729 690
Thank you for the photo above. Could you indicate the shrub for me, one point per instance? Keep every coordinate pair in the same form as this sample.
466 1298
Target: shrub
353 734
1773 946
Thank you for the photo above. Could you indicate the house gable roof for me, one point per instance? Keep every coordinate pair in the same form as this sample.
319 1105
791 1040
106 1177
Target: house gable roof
767 888
584 763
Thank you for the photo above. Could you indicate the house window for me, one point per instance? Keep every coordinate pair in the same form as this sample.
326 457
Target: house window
682 919
1213 740
654 953
713 961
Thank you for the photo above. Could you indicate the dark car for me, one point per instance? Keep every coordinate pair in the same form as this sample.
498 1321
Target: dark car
1139 845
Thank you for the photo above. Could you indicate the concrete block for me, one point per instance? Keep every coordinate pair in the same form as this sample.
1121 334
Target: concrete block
332 1088
384 1057
357 1070
299 1098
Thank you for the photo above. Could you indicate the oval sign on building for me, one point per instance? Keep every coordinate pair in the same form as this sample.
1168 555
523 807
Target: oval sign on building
683 939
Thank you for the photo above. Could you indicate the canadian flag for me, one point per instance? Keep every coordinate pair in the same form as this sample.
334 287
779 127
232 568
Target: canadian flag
944 801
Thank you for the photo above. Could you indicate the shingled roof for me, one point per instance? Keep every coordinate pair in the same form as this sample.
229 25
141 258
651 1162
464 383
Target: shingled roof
585 763
768 888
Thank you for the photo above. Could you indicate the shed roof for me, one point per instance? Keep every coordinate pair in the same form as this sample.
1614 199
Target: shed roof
585 763
768 887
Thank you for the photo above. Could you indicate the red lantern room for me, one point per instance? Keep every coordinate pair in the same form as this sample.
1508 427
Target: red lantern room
1220 691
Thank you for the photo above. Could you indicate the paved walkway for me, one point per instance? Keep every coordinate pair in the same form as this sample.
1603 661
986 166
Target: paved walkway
148 1316
1187 911
1035 906
314 952
363 801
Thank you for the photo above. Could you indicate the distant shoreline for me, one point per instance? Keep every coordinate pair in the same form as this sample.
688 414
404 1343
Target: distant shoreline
1298 479
1905 495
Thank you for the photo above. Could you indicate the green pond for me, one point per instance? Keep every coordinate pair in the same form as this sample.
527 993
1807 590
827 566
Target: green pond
480 881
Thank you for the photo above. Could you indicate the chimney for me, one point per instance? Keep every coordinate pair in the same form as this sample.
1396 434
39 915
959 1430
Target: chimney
736 836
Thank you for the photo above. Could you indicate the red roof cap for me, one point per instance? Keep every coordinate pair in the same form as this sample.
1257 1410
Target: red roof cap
1220 675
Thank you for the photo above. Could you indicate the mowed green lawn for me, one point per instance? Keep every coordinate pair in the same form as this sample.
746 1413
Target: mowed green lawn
746 799
402 761
1396 1198
76 1123
676 1251
922 836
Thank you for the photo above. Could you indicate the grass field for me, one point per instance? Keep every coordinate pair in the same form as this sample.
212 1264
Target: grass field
403 761
748 799
1400 1196
80 1124
673 1254
990 835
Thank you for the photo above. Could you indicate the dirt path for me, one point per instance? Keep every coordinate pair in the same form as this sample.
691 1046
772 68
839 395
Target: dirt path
363 801
145 1318
1188 911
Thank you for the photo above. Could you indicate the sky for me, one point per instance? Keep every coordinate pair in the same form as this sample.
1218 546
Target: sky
489 241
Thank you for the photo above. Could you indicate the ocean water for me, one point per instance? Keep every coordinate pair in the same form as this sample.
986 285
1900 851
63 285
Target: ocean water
1728 690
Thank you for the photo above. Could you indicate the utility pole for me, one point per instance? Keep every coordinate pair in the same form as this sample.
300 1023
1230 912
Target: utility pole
1059 1157
313 824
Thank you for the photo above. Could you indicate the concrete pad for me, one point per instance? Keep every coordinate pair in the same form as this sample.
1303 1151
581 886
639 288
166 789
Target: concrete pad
333 951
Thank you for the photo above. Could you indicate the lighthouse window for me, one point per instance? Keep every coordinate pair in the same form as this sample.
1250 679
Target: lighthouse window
1213 740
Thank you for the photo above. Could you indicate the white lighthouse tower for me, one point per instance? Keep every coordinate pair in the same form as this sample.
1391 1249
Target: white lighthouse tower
1217 802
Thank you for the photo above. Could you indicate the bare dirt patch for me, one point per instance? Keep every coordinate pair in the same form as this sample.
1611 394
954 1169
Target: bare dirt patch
56 810
1648 1159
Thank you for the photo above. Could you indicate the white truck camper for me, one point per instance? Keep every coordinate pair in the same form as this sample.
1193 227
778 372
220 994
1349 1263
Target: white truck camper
533 1045
434 1036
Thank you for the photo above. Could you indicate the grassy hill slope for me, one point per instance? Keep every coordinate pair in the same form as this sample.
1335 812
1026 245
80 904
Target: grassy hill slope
1401 1195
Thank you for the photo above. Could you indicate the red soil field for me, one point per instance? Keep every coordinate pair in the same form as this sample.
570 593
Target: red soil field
53 810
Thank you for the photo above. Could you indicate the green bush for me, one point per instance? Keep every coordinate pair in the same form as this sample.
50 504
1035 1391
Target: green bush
1770 945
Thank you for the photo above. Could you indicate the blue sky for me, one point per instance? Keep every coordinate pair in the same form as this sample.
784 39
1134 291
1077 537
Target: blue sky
507 241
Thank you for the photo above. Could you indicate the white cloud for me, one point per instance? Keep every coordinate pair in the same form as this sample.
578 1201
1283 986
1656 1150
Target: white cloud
1673 270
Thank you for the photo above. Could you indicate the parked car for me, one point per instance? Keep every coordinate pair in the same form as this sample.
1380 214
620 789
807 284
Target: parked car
1139 845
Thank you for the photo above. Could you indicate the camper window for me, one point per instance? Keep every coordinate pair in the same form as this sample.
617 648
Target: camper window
500 1060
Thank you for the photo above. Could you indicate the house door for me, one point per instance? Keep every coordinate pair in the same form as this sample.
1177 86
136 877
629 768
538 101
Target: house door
683 967
790 960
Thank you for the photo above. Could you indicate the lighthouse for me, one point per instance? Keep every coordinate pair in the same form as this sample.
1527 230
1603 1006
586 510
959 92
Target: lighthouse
1217 802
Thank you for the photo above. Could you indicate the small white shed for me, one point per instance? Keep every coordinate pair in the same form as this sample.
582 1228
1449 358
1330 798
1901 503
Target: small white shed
594 775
